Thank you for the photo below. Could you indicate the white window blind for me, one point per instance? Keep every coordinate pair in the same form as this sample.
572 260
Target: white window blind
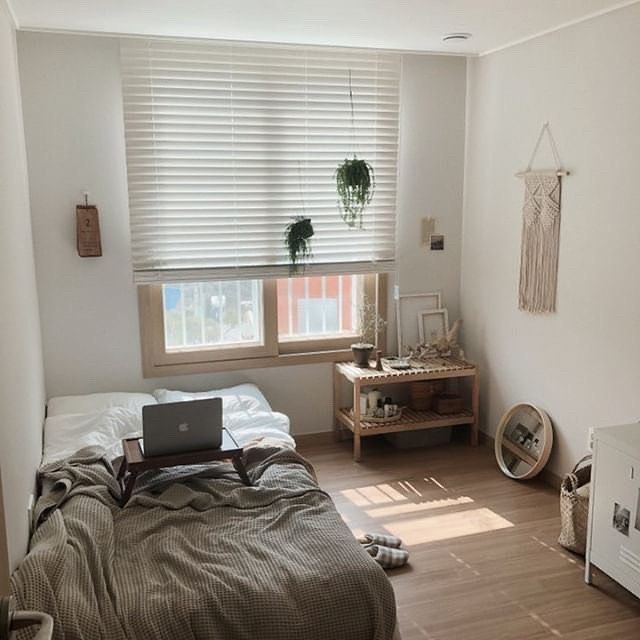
227 142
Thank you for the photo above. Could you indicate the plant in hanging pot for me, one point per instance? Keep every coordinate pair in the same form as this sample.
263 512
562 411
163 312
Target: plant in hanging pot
355 179
370 324
297 239
355 183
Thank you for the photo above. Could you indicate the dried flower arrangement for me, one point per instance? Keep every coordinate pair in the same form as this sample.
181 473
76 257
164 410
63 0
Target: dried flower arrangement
441 347
370 324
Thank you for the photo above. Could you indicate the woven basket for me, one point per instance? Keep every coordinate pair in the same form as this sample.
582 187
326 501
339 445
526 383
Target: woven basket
574 508
421 394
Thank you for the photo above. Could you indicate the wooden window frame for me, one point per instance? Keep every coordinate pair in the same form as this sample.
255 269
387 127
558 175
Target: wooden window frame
158 362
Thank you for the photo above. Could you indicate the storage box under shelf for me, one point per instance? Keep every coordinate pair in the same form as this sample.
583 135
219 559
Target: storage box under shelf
420 438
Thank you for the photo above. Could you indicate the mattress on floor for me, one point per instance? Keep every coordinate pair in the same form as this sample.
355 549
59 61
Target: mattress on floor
197 554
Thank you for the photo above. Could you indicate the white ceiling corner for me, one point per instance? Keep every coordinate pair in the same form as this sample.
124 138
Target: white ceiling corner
12 13
406 25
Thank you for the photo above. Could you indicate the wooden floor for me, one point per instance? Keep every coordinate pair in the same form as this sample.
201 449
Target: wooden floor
484 561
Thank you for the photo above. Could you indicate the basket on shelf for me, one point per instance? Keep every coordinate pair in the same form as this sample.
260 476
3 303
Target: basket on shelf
390 419
447 403
421 395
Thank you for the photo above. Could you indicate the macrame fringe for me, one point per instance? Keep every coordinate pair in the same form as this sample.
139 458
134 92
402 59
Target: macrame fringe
540 244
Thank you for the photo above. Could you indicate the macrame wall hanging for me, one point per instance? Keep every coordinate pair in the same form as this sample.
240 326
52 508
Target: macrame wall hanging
540 232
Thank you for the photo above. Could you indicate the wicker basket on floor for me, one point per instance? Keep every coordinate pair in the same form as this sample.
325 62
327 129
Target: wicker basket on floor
574 507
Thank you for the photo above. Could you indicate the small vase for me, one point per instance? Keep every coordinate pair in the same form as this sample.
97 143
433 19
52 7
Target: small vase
361 354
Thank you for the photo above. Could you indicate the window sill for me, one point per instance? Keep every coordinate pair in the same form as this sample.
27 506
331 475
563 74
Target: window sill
151 370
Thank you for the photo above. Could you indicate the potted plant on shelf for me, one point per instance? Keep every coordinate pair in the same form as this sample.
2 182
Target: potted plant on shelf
370 324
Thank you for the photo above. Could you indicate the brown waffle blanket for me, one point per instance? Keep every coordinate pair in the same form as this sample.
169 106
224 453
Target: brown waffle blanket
196 554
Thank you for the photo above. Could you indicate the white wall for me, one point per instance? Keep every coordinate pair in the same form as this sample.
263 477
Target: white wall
75 140
582 364
21 372
431 176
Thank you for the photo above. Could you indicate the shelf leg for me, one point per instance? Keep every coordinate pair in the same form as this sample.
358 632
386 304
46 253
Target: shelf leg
356 421
475 407
337 427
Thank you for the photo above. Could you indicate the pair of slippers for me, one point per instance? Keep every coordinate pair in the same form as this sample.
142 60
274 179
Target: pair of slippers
385 550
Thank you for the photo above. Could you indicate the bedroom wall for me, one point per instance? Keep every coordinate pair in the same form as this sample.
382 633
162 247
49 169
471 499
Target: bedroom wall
582 364
75 140
21 371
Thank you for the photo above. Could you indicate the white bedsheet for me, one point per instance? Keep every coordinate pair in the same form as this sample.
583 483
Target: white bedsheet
246 414
93 402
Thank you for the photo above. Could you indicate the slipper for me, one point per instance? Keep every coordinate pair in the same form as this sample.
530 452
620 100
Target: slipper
387 557
380 538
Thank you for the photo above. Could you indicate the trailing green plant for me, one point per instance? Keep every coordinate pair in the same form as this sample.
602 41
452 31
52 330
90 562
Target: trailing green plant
355 182
297 239
355 179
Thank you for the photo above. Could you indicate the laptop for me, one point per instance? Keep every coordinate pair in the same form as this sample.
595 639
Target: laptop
180 427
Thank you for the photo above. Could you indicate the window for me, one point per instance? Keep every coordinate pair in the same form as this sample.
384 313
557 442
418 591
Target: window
319 306
212 314
226 143
208 326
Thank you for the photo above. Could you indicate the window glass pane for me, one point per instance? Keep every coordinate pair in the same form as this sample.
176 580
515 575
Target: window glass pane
212 314
319 306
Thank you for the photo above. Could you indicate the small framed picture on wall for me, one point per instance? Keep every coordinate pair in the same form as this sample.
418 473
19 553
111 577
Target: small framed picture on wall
436 242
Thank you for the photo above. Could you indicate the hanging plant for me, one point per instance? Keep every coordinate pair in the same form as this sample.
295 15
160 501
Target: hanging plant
297 239
355 181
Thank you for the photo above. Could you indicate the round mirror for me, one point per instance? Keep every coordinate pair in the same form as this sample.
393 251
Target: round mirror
523 441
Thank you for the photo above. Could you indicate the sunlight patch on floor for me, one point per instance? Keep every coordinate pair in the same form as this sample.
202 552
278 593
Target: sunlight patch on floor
447 526
391 492
356 497
375 495
405 484
438 484
414 507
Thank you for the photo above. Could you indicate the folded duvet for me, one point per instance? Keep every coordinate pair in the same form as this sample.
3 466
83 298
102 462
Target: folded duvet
196 554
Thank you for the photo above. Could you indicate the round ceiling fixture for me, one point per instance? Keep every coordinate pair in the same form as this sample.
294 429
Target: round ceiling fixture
449 37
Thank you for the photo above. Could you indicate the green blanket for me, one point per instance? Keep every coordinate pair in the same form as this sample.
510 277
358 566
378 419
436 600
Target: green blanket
196 554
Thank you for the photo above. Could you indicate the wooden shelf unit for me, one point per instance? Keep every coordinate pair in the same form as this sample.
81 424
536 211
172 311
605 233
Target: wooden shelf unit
436 369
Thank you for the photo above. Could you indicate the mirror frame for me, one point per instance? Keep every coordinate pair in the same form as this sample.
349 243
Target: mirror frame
546 450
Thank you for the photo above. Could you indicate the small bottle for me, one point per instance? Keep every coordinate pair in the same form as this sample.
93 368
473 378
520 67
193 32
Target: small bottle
380 409
388 407
372 399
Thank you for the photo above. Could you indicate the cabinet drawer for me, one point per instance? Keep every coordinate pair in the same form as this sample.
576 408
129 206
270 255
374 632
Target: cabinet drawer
615 541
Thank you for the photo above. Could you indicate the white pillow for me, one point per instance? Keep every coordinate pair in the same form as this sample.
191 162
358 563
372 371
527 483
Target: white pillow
242 397
66 434
93 402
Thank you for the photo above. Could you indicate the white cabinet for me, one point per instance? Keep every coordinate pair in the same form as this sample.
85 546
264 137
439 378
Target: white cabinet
613 543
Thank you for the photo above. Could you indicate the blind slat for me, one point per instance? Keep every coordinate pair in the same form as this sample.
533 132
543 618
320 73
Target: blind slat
226 143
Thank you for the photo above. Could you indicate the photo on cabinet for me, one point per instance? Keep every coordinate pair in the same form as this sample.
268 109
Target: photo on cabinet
437 242
621 517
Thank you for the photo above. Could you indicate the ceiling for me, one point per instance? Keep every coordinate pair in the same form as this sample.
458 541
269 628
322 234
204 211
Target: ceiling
415 25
